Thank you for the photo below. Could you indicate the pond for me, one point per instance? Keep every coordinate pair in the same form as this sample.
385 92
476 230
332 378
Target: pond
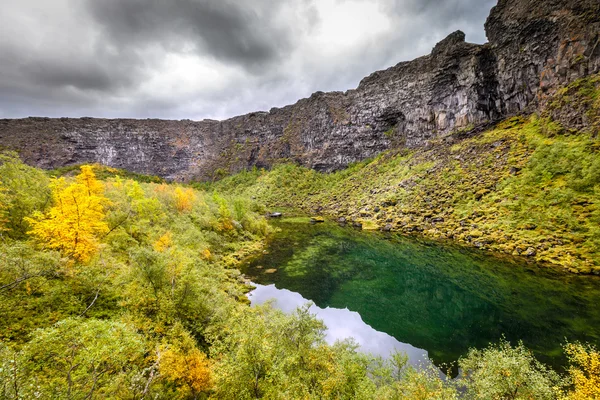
432 301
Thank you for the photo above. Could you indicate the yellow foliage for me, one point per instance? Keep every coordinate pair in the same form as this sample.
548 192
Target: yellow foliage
189 371
164 242
206 254
162 188
584 371
88 182
225 220
74 222
116 183
3 209
184 199
226 224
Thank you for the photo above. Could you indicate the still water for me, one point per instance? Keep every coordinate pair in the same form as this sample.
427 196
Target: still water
431 301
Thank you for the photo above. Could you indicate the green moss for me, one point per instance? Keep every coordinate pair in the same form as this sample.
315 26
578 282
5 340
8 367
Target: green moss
463 130
583 96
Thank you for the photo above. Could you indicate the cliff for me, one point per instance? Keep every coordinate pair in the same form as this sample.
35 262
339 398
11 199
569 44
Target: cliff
527 187
534 49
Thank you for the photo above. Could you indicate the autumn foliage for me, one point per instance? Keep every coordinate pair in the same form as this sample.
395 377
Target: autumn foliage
189 371
184 199
139 321
584 371
76 220
3 208
163 243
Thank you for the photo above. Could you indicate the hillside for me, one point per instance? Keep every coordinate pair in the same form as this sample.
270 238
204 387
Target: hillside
528 186
139 297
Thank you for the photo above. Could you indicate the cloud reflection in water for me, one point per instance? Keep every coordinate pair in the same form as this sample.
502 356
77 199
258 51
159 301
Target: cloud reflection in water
341 324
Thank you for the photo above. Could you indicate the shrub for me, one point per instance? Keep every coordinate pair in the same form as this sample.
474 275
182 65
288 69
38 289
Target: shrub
584 371
23 191
505 372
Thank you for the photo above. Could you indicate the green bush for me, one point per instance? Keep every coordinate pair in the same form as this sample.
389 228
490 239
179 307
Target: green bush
505 372
25 190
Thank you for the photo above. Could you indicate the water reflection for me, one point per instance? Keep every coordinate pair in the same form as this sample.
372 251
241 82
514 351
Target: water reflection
438 298
341 324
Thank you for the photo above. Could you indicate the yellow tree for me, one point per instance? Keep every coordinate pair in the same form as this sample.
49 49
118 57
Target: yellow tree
584 371
184 199
76 220
3 208
189 371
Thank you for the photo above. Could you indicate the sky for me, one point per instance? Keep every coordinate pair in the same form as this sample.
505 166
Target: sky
197 59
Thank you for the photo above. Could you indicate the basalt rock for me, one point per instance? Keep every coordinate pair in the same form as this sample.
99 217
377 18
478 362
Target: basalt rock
534 48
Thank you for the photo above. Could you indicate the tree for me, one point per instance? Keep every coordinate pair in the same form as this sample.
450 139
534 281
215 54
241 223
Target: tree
505 372
74 359
265 353
76 220
164 242
24 190
184 199
584 371
188 370
131 215
224 213
3 209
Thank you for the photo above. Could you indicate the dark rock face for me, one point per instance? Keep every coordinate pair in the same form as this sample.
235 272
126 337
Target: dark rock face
534 48
540 46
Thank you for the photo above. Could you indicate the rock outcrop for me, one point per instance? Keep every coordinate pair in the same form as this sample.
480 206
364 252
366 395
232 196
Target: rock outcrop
534 48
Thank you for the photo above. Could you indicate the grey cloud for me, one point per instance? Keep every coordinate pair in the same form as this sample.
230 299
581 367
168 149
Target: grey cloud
418 26
467 14
52 83
84 74
66 56
114 48
243 32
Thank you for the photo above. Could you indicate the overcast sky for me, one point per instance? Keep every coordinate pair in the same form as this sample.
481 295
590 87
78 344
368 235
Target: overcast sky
201 59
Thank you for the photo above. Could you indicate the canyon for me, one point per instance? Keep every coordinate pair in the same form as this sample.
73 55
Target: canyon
534 49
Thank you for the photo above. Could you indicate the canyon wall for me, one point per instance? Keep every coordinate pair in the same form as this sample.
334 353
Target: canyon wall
534 48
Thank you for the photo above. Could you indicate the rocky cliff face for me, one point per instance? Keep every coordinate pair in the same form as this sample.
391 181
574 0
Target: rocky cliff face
534 48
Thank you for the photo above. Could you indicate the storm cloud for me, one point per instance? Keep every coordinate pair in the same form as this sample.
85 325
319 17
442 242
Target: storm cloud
207 58
247 33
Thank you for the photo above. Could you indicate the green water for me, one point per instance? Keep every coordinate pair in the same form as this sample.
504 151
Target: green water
439 298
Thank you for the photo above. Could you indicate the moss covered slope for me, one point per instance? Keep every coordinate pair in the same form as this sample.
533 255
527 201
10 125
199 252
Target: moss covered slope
529 186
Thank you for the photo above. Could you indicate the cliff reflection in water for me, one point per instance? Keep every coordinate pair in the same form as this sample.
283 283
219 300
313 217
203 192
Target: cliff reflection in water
437 298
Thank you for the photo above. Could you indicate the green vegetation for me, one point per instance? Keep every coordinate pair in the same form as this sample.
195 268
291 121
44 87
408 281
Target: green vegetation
92 312
118 285
24 190
580 99
390 133
522 188
502 371
156 309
